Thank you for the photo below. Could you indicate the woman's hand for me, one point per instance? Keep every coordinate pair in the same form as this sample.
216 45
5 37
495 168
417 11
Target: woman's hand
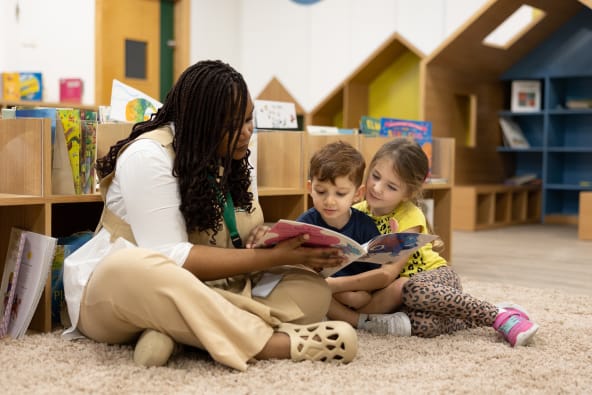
316 258
256 234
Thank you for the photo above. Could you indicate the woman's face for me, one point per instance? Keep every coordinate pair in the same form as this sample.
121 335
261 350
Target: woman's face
243 137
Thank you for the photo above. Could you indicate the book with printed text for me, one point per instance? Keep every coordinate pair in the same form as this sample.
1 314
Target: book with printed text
420 131
382 249
12 264
35 265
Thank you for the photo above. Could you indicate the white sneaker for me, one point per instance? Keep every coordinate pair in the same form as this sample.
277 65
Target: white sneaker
397 324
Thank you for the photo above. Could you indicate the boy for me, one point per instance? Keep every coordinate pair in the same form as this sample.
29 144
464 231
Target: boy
335 183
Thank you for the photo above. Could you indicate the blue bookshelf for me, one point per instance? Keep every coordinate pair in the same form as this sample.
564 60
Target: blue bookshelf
560 137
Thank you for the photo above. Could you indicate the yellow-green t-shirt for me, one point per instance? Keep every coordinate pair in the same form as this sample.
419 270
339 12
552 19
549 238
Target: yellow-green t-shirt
408 216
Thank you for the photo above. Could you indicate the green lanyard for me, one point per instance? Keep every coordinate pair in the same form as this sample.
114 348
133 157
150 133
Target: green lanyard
230 220
229 216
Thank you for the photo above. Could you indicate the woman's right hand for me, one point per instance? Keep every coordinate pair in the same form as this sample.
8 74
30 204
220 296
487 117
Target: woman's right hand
293 253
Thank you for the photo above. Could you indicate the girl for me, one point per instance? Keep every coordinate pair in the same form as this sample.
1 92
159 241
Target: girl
427 289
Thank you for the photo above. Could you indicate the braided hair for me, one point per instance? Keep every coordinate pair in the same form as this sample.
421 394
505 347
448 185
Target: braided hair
207 104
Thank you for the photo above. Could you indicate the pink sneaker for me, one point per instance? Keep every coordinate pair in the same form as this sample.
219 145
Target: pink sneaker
514 324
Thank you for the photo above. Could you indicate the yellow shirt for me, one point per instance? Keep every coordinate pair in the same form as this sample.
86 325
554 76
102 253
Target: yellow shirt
408 216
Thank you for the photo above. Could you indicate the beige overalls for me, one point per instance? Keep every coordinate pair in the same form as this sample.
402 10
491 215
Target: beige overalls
135 288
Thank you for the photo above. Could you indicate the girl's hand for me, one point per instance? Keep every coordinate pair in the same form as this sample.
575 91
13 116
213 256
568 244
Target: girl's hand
293 253
256 234
394 225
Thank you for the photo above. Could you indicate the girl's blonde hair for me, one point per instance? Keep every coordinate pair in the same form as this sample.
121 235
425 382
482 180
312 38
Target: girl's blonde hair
411 165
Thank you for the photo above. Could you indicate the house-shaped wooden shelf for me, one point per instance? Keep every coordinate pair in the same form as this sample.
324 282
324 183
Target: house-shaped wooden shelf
466 88
380 86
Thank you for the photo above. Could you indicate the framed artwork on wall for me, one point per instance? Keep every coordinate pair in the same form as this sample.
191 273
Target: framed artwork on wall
526 96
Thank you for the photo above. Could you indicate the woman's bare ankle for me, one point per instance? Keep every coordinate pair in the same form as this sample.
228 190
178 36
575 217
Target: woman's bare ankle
277 347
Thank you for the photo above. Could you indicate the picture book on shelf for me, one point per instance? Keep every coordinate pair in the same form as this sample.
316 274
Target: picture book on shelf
382 249
71 90
35 265
512 134
11 86
31 86
16 244
270 114
128 104
420 131
370 126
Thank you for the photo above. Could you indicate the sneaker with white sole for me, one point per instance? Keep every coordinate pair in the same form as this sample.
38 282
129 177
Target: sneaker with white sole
396 324
514 323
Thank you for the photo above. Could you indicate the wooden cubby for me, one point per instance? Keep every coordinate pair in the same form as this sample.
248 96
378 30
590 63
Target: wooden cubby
26 200
554 49
390 74
488 206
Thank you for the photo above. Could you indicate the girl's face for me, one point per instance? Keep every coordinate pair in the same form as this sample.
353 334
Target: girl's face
384 188
243 137
333 200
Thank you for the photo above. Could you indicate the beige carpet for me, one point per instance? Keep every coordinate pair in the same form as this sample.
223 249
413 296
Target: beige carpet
473 361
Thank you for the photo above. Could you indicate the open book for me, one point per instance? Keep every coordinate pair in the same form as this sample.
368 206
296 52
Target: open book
381 249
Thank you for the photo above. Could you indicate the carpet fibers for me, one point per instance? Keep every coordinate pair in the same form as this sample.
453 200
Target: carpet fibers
472 361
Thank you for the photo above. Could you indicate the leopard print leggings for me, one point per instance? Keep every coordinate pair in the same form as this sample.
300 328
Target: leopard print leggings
436 304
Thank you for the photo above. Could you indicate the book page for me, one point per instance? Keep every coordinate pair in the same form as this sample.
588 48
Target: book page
387 248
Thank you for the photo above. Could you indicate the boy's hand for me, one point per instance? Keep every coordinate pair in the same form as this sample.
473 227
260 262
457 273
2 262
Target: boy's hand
256 234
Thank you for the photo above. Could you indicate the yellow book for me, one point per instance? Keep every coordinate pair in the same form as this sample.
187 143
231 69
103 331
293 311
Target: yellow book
70 122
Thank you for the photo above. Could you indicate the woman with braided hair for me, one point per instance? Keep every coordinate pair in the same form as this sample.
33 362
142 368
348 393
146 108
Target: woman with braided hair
172 260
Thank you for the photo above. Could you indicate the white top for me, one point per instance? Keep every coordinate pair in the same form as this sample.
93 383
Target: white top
145 194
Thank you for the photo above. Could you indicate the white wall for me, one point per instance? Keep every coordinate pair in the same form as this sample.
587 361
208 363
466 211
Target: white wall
310 49
55 37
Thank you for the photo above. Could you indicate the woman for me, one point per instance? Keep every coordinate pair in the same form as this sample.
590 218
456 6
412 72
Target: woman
166 265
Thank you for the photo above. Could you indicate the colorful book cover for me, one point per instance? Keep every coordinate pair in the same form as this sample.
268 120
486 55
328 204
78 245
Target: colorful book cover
88 151
31 86
11 86
370 126
14 254
131 105
70 121
420 131
65 246
37 257
71 90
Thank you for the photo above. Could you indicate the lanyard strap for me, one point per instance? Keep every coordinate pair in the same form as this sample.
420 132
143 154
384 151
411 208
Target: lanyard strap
230 220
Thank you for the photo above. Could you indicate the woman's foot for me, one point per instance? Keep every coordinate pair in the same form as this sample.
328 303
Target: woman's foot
153 348
324 341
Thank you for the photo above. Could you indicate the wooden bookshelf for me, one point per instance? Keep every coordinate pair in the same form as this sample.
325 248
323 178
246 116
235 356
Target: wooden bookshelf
26 200
487 206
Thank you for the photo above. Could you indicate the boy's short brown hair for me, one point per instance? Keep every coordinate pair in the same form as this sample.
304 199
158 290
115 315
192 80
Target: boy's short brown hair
338 159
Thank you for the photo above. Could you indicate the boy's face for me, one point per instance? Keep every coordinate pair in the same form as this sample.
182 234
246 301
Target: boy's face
334 200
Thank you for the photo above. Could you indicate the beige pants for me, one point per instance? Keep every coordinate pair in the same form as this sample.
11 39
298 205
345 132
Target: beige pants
135 288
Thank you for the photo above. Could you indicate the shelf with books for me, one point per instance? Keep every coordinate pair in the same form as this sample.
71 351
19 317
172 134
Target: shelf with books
28 104
26 198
